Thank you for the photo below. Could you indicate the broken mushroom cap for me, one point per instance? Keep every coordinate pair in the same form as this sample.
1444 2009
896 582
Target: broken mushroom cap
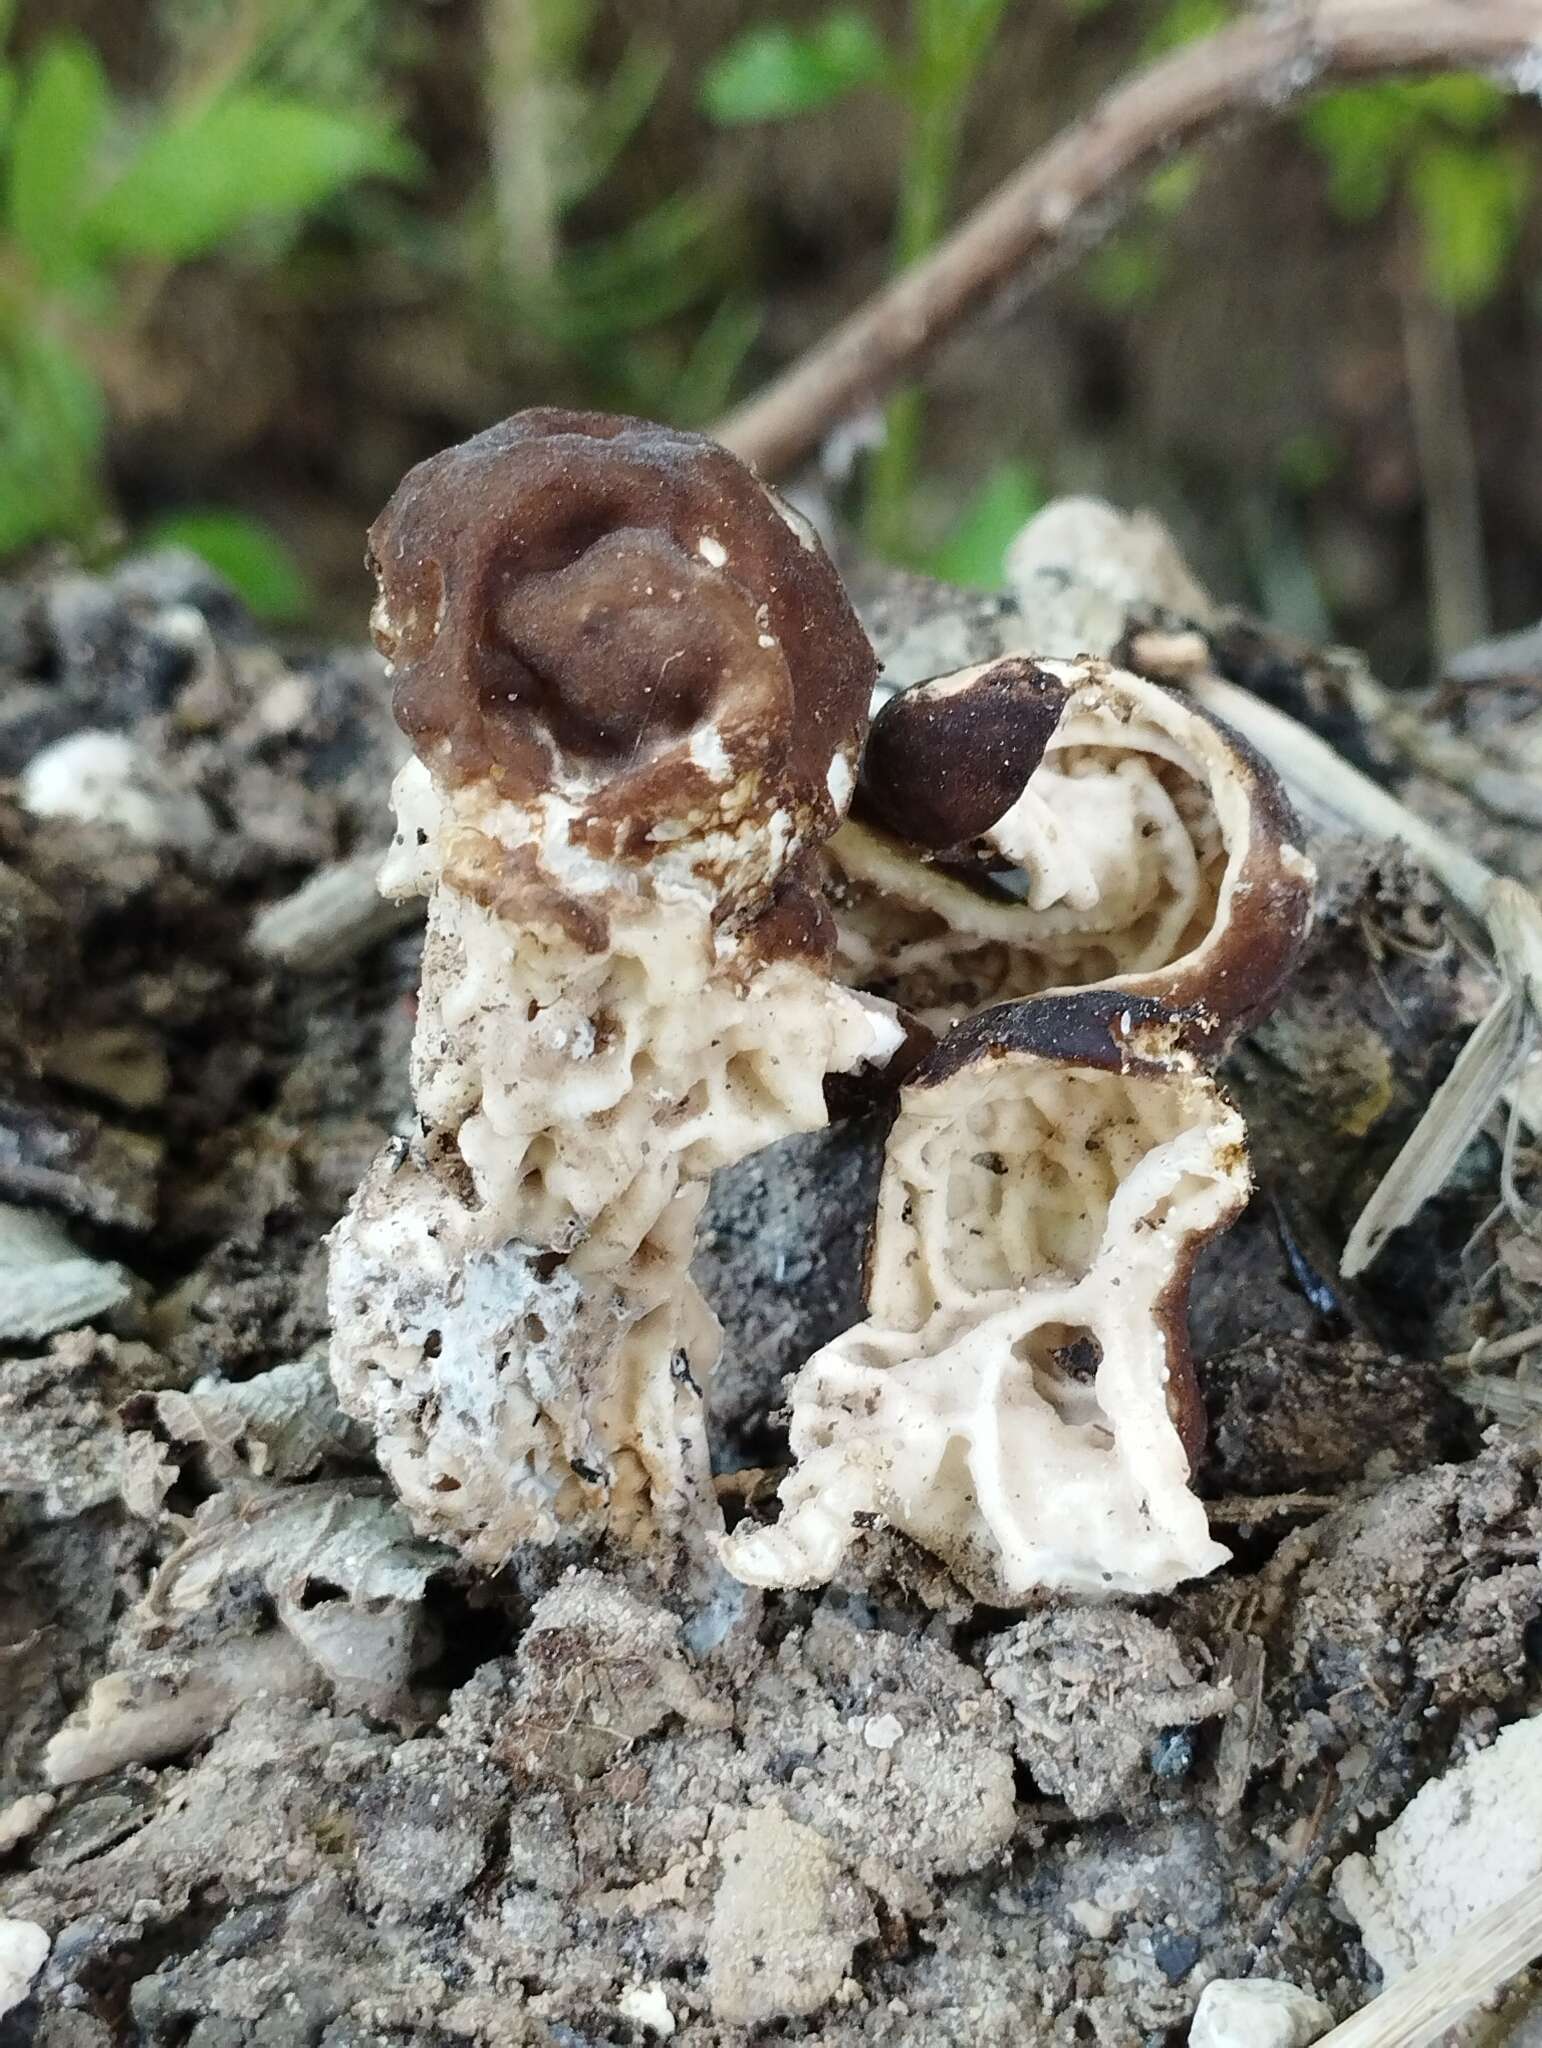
1021 1400
1025 826
624 615
1130 1055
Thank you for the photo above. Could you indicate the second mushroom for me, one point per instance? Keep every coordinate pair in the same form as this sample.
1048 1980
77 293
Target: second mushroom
1020 1400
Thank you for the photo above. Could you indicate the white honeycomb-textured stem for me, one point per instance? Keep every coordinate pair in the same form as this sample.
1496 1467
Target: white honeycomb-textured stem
513 1313
1006 1404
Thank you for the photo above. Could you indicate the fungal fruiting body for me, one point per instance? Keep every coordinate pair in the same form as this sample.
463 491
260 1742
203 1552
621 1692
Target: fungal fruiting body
636 694
1123 872
1026 827
1020 1400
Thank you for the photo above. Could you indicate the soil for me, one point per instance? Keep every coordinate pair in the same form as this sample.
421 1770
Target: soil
274 1772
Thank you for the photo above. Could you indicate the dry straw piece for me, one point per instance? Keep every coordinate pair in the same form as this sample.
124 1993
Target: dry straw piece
1421 2006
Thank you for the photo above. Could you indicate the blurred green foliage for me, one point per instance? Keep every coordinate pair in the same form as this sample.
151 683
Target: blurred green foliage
1128 266
651 316
777 74
97 201
250 558
1435 144
771 74
974 552
1184 21
559 267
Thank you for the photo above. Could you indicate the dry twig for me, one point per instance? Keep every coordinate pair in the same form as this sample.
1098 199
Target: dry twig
1047 209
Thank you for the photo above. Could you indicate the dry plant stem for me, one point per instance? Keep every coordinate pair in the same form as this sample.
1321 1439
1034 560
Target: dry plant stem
333 916
1259 65
1242 1510
1438 1993
1513 1346
1492 1061
519 107
1453 528
1332 1823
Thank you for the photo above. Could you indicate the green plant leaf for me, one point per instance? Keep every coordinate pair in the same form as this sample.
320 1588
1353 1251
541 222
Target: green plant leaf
1470 198
1306 461
1126 270
562 27
1168 191
706 380
974 552
660 264
1366 133
249 555
1459 99
250 156
53 425
774 74
55 133
950 39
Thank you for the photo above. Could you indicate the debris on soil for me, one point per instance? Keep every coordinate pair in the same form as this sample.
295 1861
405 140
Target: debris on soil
1103 1703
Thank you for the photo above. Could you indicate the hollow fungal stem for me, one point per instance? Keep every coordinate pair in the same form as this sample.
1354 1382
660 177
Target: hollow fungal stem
635 691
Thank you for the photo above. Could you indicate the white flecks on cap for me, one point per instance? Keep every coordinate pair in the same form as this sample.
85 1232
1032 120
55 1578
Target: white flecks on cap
709 753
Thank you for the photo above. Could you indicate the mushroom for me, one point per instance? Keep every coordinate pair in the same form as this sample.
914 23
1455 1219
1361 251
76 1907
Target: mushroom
636 694
1020 1400
1027 826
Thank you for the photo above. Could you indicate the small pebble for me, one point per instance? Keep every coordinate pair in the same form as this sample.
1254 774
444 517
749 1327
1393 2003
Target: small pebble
1257 2012
23 1952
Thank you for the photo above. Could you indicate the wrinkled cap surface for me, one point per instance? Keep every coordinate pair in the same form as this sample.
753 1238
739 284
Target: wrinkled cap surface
625 613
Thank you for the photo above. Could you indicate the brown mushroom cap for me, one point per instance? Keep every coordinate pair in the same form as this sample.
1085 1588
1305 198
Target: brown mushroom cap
572 599
946 759
944 754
